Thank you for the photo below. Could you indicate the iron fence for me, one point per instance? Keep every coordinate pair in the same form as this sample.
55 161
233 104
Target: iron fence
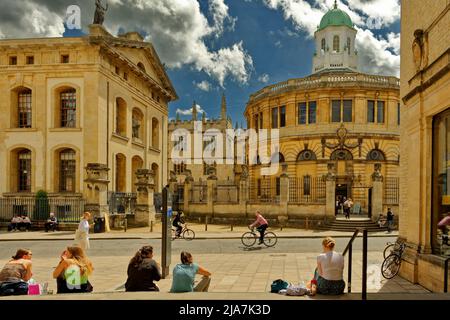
265 190
307 189
122 202
68 209
391 190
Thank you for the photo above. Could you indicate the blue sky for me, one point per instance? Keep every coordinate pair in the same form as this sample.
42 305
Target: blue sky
234 47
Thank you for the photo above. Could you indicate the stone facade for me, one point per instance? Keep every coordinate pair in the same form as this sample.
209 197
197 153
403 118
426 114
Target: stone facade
74 104
425 83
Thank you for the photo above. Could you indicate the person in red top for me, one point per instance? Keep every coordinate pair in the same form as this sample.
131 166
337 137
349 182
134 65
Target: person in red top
442 225
262 225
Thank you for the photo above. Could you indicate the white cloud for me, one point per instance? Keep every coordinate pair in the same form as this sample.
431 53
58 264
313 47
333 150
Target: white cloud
377 55
219 11
188 111
264 78
178 30
278 44
204 85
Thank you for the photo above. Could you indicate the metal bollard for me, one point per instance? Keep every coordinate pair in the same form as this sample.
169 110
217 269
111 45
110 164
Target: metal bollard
151 226
231 227
206 223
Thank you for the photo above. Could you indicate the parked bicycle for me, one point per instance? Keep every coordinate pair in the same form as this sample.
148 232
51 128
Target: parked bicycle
186 233
249 238
391 264
390 248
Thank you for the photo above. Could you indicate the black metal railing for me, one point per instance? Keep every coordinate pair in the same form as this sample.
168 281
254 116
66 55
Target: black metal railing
349 249
446 275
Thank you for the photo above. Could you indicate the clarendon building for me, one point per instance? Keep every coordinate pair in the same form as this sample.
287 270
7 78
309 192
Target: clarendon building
83 119
425 141
339 133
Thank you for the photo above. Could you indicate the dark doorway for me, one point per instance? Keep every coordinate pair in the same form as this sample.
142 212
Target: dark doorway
341 190
369 207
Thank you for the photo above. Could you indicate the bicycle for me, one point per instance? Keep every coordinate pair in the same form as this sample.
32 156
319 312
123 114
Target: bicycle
186 233
249 238
391 264
390 248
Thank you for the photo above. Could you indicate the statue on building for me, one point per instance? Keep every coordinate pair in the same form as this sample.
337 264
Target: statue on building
331 175
100 11
376 175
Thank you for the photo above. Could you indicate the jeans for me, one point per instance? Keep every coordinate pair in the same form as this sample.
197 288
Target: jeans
262 229
389 225
203 285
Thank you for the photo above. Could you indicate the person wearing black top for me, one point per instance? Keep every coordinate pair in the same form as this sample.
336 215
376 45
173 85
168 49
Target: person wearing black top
142 271
389 219
177 222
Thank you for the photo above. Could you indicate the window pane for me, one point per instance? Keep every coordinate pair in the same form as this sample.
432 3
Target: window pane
336 111
380 112
370 111
275 118
68 109
67 171
24 168
282 116
336 43
278 186
312 112
398 113
347 110
441 181
24 108
306 185
302 113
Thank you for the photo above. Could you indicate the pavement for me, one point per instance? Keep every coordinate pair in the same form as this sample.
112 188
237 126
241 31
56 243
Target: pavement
211 231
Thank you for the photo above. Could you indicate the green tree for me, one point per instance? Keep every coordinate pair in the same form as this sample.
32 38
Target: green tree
42 206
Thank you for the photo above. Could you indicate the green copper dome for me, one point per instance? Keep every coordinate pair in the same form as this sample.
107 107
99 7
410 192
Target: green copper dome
335 17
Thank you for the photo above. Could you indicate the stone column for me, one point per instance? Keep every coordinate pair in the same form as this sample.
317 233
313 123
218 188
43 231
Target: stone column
331 192
145 209
377 192
284 191
187 192
96 186
212 189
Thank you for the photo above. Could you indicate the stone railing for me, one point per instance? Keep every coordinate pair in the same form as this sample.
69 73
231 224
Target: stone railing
328 80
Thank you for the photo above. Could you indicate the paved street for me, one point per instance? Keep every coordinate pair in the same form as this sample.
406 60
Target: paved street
234 268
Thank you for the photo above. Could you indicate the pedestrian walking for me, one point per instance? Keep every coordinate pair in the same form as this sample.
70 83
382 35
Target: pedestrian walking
82 233
389 219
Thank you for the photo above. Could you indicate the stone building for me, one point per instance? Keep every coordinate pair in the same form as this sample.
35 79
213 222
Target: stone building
425 92
339 133
80 117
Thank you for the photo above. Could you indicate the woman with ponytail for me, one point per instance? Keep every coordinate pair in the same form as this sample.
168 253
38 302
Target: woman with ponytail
16 273
142 271
73 271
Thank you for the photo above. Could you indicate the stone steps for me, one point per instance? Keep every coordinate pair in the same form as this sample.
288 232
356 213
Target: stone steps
352 225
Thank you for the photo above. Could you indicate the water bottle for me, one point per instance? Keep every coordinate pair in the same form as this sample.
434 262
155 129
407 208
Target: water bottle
44 288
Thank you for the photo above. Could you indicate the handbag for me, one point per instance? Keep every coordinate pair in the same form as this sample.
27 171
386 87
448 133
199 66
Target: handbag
278 285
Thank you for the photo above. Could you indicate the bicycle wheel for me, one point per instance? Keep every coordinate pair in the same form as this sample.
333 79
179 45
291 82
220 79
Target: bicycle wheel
248 239
188 234
270 239
391 266
388 250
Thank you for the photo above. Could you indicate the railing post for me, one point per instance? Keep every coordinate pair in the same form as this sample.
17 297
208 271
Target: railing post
446 275
364 266
349 284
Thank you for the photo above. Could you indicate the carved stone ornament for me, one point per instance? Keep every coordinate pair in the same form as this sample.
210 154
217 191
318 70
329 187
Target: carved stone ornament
342 143
376 175
244 174
173 176
331 175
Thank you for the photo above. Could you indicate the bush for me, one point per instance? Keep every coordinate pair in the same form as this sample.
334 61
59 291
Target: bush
42 206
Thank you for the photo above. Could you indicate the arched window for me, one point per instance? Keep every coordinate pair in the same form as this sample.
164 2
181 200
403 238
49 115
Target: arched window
341 154
376 155
121 117
306 155
349 42
141 66
277 157
336 44
24 170
155 169
23 112
137 119
136 164
155 133
68 108
67 169
121 174
307 185
323 45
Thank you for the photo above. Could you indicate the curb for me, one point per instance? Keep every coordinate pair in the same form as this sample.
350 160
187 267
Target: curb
200 238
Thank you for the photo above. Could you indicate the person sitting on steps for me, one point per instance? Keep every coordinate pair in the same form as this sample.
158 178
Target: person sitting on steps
262 225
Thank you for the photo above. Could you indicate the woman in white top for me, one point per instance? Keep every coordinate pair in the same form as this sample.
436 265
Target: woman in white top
328 277
82 233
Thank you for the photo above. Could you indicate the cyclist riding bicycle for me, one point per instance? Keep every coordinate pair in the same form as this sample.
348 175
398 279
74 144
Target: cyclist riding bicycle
178 222
262 225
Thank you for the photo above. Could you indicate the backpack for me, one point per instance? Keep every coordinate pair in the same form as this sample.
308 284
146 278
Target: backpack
278 285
